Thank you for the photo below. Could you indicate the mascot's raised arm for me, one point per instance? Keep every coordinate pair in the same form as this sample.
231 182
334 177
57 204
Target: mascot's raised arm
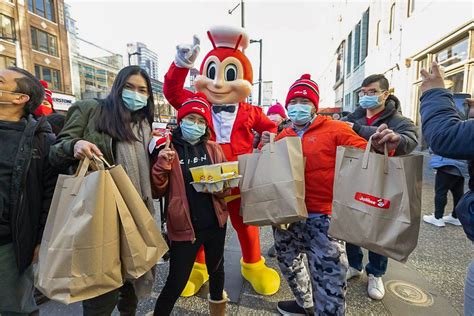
226 80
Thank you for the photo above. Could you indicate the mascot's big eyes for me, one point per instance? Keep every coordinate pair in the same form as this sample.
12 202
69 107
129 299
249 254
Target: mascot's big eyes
211 70
230 72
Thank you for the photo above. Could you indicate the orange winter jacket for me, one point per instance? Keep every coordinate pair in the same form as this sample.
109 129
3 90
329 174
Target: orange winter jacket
319 148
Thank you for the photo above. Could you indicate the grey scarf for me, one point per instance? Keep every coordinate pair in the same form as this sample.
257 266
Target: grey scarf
134 158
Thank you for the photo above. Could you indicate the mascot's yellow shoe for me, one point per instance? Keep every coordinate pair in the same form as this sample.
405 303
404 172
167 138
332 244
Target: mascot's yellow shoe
264 280
197 279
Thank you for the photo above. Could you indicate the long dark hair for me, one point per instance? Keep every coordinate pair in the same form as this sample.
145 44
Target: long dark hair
114 118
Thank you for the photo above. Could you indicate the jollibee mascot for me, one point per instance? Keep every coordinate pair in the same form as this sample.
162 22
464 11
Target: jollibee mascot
226 80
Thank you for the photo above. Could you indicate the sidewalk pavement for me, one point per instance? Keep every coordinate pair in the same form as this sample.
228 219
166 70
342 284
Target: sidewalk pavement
431 283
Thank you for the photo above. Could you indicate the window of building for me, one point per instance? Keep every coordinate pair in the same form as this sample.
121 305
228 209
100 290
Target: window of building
340 62
6 61
7 27
52 76
378 34
357 45
44 42
349 54
355 97
410 7
455 82
364 39
422 64
347 101
43 8
391 26
453 54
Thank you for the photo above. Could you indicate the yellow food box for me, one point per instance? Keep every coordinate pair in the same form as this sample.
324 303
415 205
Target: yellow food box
198 174
212 173
232 166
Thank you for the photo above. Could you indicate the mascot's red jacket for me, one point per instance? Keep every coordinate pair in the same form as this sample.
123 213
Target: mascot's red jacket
226 80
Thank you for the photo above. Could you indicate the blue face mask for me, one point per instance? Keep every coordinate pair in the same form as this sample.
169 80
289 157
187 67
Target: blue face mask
134 101
369 102
300 114
191 131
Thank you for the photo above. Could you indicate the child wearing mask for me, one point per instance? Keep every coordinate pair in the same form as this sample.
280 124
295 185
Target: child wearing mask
193 218
320 291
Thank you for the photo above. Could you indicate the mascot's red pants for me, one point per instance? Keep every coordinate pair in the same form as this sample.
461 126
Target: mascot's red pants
248 235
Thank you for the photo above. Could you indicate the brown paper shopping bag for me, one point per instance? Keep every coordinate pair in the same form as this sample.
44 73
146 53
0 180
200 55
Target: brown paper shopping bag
272 186
142 243
377 201
80 252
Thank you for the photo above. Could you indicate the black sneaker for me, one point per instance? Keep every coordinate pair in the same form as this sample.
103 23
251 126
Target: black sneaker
291 308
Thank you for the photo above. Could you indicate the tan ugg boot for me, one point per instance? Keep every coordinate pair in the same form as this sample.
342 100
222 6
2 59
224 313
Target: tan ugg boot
217 308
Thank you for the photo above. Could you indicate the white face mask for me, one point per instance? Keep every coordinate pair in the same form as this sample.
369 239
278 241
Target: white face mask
275 118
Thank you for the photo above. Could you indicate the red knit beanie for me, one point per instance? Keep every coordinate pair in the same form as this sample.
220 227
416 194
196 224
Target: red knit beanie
48 94
304 88
197 104
277 109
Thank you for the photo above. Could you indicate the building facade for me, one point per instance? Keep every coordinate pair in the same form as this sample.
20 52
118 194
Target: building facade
33 36
140 54
397 39
93 68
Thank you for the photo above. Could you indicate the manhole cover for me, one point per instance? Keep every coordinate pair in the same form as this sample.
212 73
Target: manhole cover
409 293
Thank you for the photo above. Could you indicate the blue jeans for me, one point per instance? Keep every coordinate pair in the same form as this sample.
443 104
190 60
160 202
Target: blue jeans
377 265
16 290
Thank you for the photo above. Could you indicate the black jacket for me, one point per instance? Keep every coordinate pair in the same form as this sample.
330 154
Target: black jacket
203 215
32 188
391 116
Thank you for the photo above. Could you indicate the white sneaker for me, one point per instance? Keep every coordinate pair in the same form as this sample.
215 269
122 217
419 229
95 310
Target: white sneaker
431 219
451 220
375 287
352 273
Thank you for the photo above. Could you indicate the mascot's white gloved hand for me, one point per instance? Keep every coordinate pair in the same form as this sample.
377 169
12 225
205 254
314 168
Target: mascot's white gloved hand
186 54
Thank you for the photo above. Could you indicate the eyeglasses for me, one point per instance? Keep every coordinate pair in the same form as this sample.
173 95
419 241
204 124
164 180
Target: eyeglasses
370 92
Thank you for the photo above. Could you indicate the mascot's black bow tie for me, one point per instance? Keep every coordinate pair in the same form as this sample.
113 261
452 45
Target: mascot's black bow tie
226 108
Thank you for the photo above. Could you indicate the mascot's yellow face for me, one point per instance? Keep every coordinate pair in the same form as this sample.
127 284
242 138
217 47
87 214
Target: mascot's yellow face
223 77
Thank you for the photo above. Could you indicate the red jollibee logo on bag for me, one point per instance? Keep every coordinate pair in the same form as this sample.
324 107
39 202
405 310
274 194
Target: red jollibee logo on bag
372 200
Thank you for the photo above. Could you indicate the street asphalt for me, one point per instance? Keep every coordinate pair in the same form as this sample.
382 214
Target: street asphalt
430 283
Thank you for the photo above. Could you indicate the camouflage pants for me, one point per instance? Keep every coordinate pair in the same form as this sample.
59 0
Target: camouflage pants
324 286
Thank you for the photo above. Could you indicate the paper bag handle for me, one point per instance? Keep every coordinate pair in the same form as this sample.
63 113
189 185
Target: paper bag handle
83 167
101 158
365 160
272 142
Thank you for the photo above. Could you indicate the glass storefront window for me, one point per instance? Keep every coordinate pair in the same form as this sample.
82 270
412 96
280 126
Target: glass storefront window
453 54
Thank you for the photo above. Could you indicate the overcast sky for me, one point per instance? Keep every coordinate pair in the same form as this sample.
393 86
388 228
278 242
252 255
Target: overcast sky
296 34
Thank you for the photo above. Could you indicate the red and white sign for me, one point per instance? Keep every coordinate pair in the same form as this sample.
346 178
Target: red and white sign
372 200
